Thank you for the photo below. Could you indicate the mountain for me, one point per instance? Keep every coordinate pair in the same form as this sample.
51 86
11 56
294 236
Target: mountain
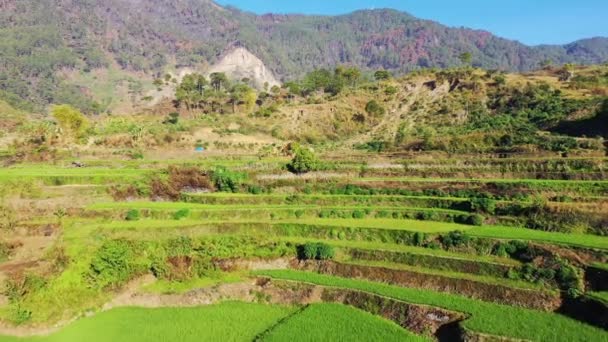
43 40
238 63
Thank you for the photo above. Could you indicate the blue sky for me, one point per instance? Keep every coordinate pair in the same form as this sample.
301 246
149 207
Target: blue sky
529 21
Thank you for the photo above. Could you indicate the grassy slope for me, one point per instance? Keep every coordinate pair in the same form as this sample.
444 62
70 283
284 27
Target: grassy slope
230 321
431 227
335 322
489 318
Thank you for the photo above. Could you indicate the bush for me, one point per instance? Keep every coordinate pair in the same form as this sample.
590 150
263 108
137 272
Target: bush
112 264
419 239
315 251
133 215
455 239
358 214
475 220
303 161
374 108
181 214
226 180
255 190
483 205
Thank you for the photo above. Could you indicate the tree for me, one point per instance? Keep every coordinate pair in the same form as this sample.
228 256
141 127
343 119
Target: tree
72 122
219 80
351 75
303 161
466 58
190 91
242 93
382 75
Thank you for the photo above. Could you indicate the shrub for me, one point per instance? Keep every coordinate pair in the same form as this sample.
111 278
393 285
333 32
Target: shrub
299 213
133 215
325 252
112 264
181 214
303 161
307 251
455 239
315 251
374 108
226 180
419 239
483 205
391 90
475 220
255 190
358 214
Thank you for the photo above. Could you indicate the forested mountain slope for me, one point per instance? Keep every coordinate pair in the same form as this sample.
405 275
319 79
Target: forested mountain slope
40 38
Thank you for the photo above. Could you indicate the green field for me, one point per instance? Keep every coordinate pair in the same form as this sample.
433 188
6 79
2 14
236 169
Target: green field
231 321
335 322
488 318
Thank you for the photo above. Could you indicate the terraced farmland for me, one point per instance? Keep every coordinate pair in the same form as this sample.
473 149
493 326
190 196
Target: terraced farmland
240 249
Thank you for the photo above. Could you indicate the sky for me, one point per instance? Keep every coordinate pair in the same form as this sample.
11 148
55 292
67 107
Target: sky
531 22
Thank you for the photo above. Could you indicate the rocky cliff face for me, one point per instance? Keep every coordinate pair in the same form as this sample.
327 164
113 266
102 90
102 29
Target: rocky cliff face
239 63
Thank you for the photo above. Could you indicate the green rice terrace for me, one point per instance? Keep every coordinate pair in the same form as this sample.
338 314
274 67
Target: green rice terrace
147 198
241 249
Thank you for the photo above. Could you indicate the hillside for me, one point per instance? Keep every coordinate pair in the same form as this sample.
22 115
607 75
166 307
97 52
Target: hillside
42 39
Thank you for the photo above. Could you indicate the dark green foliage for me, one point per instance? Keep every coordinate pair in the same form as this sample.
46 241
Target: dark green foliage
483 205
303 161
381 75
419 239
315 251
455 239
358 214
475 220
133 215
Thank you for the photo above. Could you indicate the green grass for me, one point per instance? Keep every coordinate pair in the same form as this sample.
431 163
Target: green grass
52 175
473 180
513 233
390 224
430 227
454 275
230 321
389 247
239 207
336 322
488 318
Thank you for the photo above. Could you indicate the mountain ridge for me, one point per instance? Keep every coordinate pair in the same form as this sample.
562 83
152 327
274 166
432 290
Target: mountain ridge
44 36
